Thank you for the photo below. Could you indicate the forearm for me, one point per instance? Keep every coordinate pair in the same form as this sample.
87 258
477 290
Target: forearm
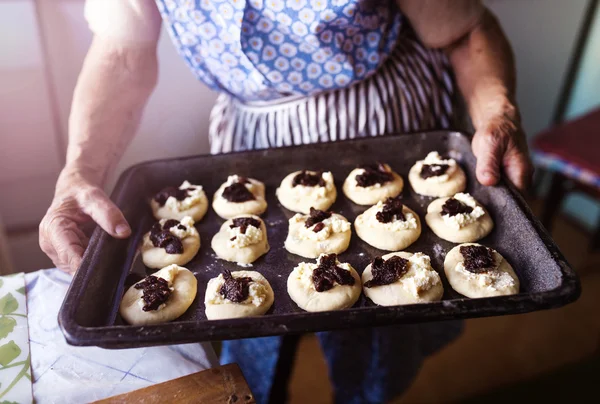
112 90
484 67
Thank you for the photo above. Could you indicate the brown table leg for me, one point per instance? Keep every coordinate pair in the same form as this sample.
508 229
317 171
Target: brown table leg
553 200
283 371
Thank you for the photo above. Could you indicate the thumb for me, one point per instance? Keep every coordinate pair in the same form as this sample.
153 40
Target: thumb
489 150
94 202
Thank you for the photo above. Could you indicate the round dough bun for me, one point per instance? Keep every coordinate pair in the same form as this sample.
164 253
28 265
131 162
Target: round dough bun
157 257
397 293
385 239
457 182
184 292
337 243
337 298
469 284
196 211
228 210
302 203
371 195
242 255
466 234
236 310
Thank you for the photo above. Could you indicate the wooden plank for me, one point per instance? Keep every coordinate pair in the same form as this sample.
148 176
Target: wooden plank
223 384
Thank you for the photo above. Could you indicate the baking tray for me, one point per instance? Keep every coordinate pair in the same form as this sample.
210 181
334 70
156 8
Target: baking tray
89 315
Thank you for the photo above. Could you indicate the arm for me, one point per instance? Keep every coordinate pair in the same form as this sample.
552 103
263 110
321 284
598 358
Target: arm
485 72
115 82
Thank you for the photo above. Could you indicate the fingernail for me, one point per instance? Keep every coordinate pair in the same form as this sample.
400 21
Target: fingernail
122 229
489 175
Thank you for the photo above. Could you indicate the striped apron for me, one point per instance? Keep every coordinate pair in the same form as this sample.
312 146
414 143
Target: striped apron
412 91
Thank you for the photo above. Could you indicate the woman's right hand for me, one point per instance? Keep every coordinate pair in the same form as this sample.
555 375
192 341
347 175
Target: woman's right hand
77 201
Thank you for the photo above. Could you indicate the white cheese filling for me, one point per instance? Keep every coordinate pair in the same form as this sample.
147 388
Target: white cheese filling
195 196
303 272
420 276
435 158
395 225
492 279
257 293
186 222
316 192
237 239
333 224
463 219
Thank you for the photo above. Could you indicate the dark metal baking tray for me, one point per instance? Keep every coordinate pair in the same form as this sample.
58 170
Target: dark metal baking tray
89 315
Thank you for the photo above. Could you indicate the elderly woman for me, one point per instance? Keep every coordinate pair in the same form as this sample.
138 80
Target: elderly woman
294 72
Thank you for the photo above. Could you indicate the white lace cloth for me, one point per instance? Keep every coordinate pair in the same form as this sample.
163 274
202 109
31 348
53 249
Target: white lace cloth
69 374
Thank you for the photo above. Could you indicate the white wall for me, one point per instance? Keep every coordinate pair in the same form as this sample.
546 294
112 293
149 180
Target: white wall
29 160
542 34
586 91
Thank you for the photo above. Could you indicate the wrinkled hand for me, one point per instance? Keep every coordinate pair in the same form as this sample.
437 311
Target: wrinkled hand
77 201
500 145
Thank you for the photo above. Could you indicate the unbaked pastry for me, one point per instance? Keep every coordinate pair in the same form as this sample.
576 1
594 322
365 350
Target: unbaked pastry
402 278
318 233
161 297
170 242
237 294
372 183
240 196
389 225
460 219
242 239
435 176
177 203
477 271
302 190
326 285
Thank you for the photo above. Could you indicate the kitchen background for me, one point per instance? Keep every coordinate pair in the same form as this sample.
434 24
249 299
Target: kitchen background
43 43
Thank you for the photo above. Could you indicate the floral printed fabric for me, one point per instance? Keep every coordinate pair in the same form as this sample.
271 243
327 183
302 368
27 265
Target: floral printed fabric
15 369
266 49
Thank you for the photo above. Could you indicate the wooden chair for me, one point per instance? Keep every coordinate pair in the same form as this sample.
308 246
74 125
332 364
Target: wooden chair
571 152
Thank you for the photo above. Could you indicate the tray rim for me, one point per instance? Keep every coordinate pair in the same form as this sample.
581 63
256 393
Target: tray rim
112 336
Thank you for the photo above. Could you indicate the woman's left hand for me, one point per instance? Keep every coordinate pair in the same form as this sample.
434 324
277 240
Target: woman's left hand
500 146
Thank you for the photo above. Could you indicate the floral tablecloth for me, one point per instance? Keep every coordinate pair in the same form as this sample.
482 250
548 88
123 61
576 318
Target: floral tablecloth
15 370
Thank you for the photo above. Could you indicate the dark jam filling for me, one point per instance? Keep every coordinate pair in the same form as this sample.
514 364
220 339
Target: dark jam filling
453 207
156 291
237 192
163 195
478 258
307 179
388 271
328 273
319 227
392 210
433 170
235 289
373 174
244 222
161 237
316 216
